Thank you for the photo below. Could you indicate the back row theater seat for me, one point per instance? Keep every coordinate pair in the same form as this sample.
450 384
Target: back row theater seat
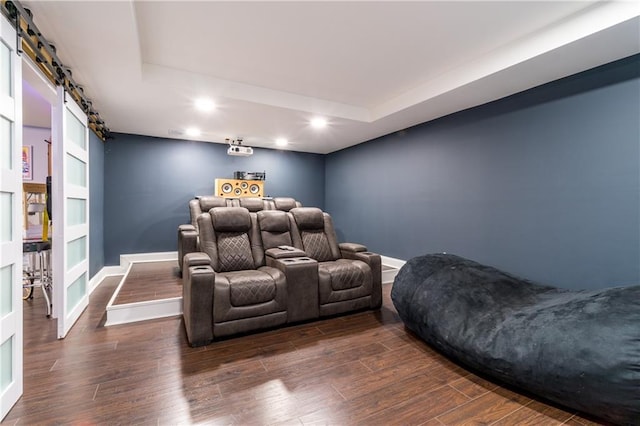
188 241
248 276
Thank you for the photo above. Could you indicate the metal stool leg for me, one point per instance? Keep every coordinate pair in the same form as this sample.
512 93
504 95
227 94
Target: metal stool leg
44 282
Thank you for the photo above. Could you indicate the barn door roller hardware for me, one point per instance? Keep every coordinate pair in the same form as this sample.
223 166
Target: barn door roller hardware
44 55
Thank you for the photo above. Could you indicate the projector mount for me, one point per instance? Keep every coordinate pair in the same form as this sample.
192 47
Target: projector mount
236 148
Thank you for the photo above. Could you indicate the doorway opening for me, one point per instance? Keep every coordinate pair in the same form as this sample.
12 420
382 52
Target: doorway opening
37 99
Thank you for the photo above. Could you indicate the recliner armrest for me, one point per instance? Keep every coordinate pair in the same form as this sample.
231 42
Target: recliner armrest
187 242
301 274
196 259
186 227
375 263
284 252
353 247
197 302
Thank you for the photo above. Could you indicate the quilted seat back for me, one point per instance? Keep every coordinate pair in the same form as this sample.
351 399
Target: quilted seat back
227 235
314 233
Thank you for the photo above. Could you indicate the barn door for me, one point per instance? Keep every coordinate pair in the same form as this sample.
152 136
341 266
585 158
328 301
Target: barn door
70 211
10 219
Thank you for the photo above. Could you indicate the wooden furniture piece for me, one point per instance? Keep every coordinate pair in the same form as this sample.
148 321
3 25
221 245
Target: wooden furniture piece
34 198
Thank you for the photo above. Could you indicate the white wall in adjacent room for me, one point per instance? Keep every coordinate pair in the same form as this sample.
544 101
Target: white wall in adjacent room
35 136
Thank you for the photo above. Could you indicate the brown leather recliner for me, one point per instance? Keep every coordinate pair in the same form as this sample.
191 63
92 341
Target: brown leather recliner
188 241
227 288
204 203
349 276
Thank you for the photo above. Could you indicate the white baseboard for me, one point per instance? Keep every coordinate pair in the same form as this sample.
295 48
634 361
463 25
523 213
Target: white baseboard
392 262
146 310
388 275
126 259
140 311
106 271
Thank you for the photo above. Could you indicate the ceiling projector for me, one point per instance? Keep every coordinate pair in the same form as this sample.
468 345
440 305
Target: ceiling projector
236 148
241 151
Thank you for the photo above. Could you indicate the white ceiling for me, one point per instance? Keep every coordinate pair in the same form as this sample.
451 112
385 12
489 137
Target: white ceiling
369 68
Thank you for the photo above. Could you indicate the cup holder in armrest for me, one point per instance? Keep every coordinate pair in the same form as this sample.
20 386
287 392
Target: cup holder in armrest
297 260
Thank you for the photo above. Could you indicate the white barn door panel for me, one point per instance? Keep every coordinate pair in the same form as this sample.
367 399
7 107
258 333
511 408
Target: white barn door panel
70 212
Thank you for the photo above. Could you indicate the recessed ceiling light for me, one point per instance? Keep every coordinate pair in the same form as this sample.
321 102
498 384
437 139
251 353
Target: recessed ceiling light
192 131
281 142
204 104
318 122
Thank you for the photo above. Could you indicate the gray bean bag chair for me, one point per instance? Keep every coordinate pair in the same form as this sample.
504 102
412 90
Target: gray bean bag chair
580 349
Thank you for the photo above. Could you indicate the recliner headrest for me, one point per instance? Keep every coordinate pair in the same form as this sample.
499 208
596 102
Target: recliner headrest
230 219
273 221
284 203
207 202
252 204
308 217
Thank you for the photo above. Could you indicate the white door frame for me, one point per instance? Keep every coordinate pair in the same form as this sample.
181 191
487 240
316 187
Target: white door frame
11 333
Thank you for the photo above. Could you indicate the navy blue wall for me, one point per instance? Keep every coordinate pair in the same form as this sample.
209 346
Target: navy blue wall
544 184
96 204
148 183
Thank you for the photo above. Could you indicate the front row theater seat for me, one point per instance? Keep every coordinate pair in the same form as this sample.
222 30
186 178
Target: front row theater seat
275 229
345 284
227 289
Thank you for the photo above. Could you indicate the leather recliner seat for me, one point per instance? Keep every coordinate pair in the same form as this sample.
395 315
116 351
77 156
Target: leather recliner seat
188 239
344 284
230 289
261 270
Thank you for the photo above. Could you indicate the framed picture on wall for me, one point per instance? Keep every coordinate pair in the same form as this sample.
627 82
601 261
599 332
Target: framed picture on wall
27 162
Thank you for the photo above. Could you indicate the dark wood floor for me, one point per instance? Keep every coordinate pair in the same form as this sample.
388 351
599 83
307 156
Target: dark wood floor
358 369
150 281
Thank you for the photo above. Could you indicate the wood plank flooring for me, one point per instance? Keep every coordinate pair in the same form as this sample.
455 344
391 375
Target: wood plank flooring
150 281
361 369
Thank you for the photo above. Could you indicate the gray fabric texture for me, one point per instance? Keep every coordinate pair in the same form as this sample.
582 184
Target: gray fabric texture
580 349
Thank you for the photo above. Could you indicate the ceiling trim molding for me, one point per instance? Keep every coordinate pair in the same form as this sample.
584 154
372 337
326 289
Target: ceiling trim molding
158 74
598 18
